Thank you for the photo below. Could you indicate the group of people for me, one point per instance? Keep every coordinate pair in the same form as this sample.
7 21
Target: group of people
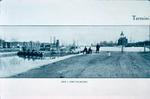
89 50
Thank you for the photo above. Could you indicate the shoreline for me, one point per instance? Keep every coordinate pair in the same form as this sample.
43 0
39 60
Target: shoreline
7 54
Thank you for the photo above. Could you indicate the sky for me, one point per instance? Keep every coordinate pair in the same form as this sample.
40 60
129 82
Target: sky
82 34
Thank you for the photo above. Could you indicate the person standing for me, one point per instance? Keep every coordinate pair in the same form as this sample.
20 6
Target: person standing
85 50
97 48
90 51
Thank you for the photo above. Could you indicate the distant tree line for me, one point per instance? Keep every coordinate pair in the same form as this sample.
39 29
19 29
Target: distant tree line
139 44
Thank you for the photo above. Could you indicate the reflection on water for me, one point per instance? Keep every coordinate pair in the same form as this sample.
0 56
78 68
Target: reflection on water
31 58
12 65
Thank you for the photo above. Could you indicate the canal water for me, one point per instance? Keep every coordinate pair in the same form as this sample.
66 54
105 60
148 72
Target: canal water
13 65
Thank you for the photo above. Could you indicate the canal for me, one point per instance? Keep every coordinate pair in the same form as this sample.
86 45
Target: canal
13 65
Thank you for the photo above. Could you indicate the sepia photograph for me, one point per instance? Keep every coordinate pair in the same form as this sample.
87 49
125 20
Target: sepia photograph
75 51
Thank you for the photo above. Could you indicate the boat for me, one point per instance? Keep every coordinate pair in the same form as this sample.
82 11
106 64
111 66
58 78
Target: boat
30 54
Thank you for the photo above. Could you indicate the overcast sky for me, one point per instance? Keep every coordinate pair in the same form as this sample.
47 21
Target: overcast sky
81 34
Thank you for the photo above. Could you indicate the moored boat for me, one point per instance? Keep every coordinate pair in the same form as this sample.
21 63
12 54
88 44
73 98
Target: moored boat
27 53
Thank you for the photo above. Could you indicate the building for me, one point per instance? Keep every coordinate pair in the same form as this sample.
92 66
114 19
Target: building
1 43
31 46
122 40
45 46
55 45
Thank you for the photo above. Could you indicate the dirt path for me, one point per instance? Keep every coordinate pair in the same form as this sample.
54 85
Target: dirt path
118 65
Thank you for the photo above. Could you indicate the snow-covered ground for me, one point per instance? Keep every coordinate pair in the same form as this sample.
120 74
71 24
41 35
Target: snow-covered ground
127 49
13 65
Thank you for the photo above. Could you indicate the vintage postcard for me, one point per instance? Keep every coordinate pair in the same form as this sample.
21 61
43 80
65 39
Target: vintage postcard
67 49
76 51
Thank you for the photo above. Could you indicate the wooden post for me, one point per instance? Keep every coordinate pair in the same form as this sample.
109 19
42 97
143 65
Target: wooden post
144 48
122 48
